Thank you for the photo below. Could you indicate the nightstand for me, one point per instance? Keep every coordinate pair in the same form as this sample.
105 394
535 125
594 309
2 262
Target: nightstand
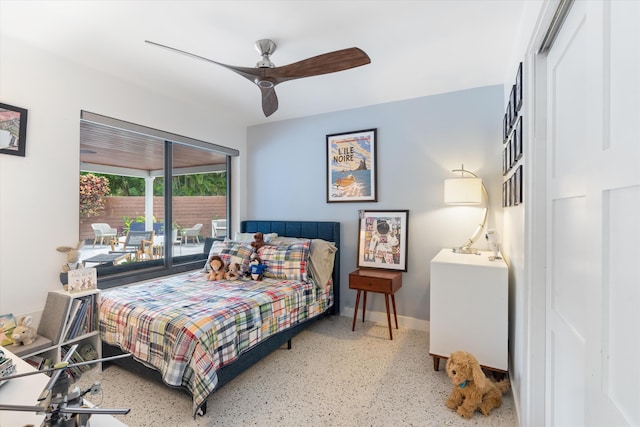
469 297
381 281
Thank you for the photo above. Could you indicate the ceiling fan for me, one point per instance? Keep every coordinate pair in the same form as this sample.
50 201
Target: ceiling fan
266 75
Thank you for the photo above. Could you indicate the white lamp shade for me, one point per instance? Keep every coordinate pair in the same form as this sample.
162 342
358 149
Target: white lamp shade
463 191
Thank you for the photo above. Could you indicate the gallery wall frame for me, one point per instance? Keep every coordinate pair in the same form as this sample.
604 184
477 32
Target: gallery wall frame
352 166
517 142
13 130
513 142
518 88
382 239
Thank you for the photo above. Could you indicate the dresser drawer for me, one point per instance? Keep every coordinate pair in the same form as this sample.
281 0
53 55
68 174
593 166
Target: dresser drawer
374 284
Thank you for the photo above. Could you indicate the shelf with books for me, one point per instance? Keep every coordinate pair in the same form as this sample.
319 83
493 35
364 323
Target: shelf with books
67 319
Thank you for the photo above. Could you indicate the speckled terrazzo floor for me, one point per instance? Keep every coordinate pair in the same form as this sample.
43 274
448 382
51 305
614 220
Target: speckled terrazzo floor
331 377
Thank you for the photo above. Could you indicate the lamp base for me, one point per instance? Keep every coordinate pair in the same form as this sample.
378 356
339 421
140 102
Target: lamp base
466 250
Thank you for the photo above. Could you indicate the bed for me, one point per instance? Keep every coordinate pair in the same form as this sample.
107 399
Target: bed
198 335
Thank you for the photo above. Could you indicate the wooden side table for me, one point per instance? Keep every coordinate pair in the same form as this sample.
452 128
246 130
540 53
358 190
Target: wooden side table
381 281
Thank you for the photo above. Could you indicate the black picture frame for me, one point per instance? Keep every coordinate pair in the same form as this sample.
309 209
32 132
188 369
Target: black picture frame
382 239
518 91
505 128
13 130
519 185
504 194
352 166
518 146
514 189
504 161
509 155
512 104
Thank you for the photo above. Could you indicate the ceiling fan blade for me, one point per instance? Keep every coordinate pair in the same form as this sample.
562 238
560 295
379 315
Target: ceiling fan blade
269 101
266 78
322 64
246 72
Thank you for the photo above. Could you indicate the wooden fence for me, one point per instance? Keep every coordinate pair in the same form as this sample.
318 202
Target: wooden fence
187 211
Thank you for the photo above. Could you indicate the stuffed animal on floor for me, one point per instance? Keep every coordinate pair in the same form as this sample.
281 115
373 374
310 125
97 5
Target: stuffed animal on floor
256 268
258 241
73 257
233 271
24 334
471 388
217 268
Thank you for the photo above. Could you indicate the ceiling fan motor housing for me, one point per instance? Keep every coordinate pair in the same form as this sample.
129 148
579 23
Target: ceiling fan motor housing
265 47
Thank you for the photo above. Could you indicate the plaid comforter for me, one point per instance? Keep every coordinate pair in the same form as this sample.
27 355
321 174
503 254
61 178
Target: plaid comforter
187 327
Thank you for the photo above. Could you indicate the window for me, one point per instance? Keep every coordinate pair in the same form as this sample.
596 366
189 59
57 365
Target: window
138 164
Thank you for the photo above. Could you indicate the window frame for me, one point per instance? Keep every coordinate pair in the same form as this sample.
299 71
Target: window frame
113 276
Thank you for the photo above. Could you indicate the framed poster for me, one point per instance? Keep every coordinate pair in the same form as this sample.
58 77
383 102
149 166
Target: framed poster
382 239
351 167
13 130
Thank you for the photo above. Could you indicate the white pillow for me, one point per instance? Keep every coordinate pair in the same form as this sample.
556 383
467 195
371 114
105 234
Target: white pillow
248 237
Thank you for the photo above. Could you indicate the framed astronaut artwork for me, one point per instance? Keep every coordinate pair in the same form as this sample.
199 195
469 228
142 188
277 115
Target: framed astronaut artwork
382 239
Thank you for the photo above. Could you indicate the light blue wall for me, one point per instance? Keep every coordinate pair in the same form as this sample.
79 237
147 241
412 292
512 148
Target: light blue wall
419 142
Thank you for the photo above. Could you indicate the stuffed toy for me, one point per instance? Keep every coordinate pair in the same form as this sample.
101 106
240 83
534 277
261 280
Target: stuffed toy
256 268
24 333
233 271
87 352
258 241
73 257
217 268
471 388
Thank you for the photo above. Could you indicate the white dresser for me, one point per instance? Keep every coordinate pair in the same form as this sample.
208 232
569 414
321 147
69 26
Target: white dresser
469 308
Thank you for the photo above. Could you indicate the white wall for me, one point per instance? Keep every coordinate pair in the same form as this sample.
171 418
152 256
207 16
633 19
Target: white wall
39 193
516 220
419 142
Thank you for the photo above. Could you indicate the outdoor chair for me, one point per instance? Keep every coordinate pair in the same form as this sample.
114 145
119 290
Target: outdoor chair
219 228
193 232
137 243
102 230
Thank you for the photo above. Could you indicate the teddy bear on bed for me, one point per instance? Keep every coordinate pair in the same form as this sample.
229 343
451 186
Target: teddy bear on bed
218 268
258 241
233 271
256 267
471 388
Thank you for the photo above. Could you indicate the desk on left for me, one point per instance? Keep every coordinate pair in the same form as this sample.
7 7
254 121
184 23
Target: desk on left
25 391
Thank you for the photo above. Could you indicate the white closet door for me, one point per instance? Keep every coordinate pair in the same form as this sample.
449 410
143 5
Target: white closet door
593 205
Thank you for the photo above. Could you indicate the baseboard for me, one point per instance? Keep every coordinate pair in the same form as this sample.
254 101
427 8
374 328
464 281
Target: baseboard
381 317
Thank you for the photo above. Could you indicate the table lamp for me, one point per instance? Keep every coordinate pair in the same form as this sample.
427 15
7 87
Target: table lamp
467 190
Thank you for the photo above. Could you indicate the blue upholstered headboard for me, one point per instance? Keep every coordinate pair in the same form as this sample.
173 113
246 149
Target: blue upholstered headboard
326 230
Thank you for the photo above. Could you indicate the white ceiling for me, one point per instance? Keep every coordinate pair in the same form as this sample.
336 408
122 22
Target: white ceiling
417 48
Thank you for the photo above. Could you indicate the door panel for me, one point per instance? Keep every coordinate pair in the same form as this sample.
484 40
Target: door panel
593 200
567 130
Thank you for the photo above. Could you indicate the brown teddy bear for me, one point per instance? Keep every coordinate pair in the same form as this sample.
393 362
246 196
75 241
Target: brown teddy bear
217 268
233 271
258 241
